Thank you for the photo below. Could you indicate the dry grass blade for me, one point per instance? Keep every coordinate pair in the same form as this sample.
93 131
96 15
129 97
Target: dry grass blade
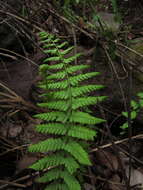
16 55
9 99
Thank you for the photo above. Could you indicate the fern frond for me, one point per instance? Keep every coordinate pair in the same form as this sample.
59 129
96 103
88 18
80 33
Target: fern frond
43 68
53 45
51 116
58 85
71 59
44 35
53 174
65 52
56 58
58 159
72 69
69 127
74 80
59 105
81 132
51 51
52 128
50 40
59 75
81 102
70 164
69 180
84 118
48 145
62 45
75 149
46 38
57 186
78 152
76 91
77 131
60 95
56 66
81 90
77 117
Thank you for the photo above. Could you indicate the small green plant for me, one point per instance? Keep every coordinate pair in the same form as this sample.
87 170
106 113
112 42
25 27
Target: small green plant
135 109
70 127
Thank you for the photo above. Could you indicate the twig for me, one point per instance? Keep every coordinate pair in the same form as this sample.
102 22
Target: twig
11 183
72 24
116 142
25 177
130 49
12 149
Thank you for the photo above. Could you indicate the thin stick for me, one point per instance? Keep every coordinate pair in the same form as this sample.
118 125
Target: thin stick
12 183
115 142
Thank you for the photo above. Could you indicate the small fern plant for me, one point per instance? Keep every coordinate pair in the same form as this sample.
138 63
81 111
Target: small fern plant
136 108
69 126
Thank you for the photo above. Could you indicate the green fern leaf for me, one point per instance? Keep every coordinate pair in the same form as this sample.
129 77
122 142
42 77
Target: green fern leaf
70 164
50 40
56 66
65 52
56 58
51 45
85 118
57 144
60 95
81 102
69 180
56 40
57 159
74 80
59 105
75 68
77 152
58 85
81 90
53 174
71 59
76 91
43 67
62 45
69 126
57 46
52 128
81 132
45 38
51 51
48 145
59 75
56 186
51 116
45 35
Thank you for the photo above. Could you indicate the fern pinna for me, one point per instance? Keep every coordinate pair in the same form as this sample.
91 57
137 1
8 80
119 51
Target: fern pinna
65 99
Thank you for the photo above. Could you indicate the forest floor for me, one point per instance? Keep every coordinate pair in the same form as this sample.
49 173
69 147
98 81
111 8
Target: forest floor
110 153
